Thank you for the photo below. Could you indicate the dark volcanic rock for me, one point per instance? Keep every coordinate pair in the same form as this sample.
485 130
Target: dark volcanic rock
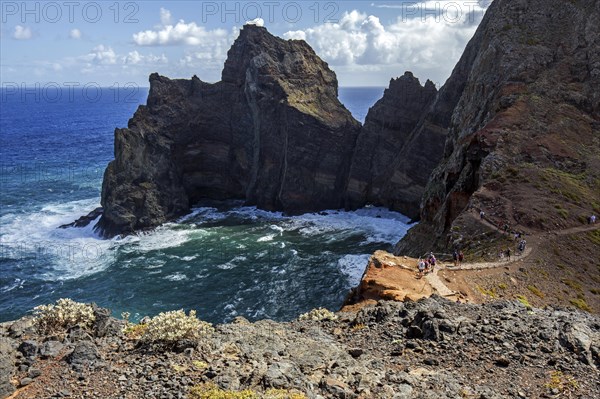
84 220
272 132
381 173
493 351
84 355
7 358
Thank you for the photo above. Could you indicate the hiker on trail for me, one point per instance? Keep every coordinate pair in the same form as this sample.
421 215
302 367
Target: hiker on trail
421 266
432 260
522 244
481 214
455 257
592 219
461 256
508 254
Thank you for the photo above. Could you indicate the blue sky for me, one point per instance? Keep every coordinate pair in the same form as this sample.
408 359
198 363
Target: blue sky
108 42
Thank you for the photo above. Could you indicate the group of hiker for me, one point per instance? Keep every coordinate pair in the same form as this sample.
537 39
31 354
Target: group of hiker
426 265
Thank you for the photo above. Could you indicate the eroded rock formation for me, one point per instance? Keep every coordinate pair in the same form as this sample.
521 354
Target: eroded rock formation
272 132
384 168
523 139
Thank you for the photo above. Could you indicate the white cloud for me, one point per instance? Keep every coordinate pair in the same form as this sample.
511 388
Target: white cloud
182 33
295 35
22 33
75 34
101 55
165 17
135 58
256 21
431 44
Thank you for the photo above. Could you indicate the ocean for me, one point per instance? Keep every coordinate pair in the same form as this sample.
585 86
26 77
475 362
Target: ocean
224 260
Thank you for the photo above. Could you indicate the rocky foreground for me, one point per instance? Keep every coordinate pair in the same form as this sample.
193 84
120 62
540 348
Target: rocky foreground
432 348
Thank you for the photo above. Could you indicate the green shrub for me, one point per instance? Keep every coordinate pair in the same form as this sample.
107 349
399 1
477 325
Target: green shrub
562 382
66 313
573 284
318 315
524 301
580 303
491 293
535 291
174 326
211 391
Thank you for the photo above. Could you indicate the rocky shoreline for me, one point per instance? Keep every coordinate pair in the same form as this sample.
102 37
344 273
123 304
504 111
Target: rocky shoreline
432 348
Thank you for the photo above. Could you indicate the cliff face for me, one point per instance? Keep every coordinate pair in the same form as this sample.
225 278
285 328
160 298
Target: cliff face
271 132
524 133
381 171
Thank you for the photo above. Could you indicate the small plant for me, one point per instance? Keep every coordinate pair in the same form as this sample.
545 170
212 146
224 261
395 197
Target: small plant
535 291
524 301
502 286
491 293
573 284
594 236
66 313
563 213
358 327
212 391
562 382
199 364
580 303
135 331
318 315
174 326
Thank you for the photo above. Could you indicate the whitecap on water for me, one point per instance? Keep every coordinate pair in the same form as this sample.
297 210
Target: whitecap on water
268 237
354 267
232 263
161 238
64 253
176 277
18 283
379 225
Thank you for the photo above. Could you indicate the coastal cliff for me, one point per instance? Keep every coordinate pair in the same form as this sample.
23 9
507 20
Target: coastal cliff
383 170
522 109
272 132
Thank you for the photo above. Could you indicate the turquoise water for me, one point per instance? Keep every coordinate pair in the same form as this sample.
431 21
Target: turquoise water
223 259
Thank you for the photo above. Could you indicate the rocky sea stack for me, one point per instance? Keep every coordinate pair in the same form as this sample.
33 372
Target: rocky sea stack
272 133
